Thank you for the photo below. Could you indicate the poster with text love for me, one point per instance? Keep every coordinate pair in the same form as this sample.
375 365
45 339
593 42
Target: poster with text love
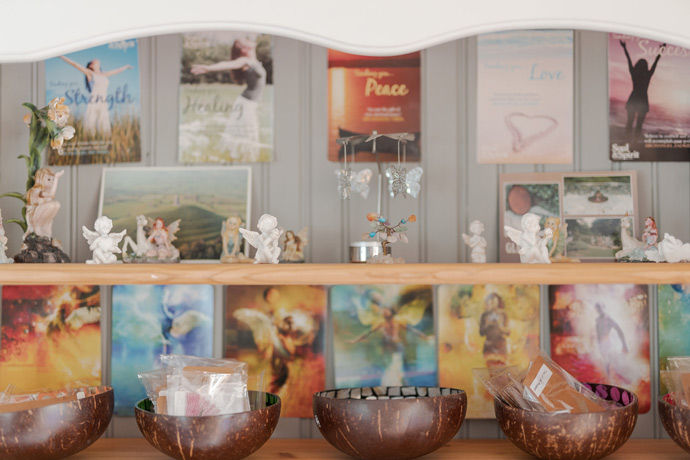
525 97
649 100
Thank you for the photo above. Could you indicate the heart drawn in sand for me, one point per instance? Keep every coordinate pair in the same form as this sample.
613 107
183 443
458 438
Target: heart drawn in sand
528 129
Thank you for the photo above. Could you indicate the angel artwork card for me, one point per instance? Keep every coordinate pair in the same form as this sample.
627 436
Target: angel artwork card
482 326
674 322
150 320
280 332
600 334
383 335
51 337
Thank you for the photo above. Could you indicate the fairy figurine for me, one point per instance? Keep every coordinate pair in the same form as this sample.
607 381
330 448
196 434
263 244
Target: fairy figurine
161 238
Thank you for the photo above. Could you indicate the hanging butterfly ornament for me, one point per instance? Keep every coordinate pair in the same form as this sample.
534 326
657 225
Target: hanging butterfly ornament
350 181
400 180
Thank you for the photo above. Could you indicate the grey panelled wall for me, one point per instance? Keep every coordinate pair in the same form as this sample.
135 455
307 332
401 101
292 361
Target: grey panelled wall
299 186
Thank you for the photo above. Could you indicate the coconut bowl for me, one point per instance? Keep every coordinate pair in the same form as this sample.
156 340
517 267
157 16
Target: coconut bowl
586 436
385 423
676 421
216 437
55 431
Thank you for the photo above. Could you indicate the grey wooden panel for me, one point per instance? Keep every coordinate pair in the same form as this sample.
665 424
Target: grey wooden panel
16 89
671 210
442 128
164 99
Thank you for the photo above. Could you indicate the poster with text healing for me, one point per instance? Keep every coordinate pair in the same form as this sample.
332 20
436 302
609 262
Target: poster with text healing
600 334
280 332
649 100
525 97
51 337
383 335
101 88
226 98
484 326
367 94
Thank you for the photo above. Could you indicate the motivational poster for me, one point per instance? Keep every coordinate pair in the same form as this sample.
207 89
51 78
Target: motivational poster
101 88
150 320
525 97
367 94
51 337
226 98
383 335
280 332
649 100
600 334
484 326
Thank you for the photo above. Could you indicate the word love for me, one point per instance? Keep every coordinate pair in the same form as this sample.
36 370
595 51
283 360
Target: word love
537 74
373 86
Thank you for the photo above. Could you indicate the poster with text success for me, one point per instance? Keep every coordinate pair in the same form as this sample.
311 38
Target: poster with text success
600 334
367 94
649 100
484 326
150 320
226 98
280 332
51 337
101 88
525 97
383 335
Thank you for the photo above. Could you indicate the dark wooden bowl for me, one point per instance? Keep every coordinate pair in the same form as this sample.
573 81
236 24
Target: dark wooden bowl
55 431
571 436
676 421
385 423
217 437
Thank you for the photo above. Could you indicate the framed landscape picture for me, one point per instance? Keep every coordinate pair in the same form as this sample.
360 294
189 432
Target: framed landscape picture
202 197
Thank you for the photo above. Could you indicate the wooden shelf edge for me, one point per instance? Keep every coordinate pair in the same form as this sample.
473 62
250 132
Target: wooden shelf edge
333 274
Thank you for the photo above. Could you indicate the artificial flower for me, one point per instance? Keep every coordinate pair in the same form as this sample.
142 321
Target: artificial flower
56 144
403 238
372 216
58 112
412 218
67 133
27 119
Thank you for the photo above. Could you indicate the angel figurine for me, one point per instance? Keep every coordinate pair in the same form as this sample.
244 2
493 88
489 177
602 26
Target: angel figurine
265 240
3 245
161 237
293 245
477 242
532 246
103 243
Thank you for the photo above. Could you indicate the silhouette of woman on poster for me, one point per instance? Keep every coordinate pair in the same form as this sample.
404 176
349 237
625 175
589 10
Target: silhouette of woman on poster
97 118
241 136
604 325
493 324
638 102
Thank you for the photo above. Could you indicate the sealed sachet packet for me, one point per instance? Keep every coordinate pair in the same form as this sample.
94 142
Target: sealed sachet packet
194 393
677 379
180 362
559 391
505 384
155 382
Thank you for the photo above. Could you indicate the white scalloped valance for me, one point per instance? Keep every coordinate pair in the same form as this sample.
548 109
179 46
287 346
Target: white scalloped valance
34 30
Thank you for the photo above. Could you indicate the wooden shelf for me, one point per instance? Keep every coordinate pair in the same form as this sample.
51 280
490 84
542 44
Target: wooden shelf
326 274
313 449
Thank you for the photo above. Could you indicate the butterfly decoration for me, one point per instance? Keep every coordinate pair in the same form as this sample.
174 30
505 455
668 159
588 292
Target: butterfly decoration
350 181
400 180
344 182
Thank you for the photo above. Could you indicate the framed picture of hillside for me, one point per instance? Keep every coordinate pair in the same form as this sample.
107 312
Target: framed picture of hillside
202 197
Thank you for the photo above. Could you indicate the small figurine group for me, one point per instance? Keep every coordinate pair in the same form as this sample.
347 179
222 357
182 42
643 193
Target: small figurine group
537 246
671 249
267 241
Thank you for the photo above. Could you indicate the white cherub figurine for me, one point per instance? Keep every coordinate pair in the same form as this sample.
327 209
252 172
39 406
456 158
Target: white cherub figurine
533 248
3 245
671 250
266 242
477 242
102 242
